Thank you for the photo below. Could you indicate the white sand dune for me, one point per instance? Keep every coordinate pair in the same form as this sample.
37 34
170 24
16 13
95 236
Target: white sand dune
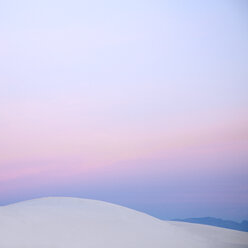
60 222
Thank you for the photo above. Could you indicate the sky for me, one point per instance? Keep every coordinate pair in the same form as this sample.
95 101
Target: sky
138 103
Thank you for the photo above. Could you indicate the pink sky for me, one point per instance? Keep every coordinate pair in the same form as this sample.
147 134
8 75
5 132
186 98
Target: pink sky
102 97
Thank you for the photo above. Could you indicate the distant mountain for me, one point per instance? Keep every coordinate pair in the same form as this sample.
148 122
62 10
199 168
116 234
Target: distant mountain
242 226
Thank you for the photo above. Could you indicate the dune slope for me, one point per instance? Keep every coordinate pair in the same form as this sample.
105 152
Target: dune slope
59 222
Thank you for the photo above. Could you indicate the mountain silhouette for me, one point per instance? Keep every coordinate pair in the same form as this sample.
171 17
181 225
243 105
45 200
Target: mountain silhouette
242 226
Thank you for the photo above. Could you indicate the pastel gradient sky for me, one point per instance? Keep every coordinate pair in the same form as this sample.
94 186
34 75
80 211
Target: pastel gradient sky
139 103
